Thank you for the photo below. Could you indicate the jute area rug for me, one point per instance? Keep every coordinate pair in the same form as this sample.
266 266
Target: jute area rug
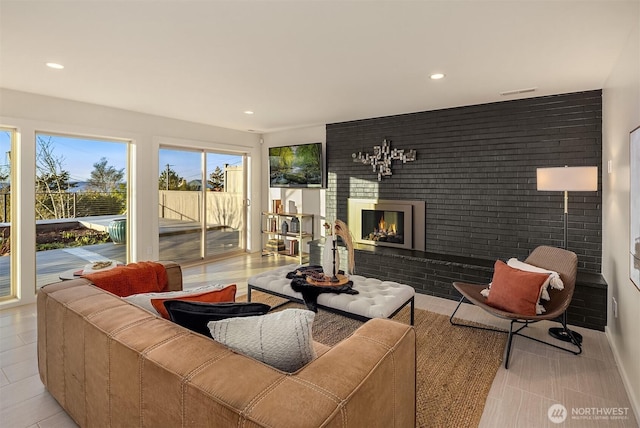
455 365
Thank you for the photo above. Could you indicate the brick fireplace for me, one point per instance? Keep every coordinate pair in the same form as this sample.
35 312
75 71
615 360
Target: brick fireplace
475 170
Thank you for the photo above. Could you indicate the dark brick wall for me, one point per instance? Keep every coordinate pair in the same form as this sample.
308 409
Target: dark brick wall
476 170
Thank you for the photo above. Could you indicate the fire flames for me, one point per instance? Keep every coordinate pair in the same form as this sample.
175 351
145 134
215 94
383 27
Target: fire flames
388 230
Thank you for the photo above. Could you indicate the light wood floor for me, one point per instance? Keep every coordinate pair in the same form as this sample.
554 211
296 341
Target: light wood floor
538 377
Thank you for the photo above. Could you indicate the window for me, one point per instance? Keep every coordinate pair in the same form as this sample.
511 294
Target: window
81 195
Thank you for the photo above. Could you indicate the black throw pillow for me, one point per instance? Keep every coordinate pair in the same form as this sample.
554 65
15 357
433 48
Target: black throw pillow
196 315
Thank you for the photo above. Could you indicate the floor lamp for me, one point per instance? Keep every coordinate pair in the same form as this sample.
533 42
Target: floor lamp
565 179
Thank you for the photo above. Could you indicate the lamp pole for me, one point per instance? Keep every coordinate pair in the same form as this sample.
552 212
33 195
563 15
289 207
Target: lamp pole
566 220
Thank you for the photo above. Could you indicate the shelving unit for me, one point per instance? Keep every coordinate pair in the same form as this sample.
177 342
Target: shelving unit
289 244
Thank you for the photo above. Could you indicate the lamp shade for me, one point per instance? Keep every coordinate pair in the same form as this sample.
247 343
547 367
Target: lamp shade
575 178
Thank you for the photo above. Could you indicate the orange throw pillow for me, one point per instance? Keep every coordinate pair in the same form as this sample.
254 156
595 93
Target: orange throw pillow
514 290
227 294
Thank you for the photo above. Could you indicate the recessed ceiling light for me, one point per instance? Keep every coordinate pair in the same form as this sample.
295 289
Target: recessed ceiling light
436 76
248 112
55 65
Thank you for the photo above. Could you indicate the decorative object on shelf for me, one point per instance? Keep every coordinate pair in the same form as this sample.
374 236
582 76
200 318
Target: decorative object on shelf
293 247
275 245
295 225
284 229
565 179
382 157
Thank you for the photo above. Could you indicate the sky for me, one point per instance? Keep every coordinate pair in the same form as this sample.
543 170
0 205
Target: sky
79 154
187 164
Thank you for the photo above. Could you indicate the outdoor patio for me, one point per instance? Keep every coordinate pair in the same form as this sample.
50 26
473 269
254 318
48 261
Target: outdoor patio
179 241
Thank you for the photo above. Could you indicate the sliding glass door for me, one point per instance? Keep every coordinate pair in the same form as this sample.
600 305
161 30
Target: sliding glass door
201 204
225 210
180 205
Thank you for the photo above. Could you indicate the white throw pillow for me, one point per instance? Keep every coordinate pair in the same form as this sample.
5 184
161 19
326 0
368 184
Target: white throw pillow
554 278
143 300
281 339
553 281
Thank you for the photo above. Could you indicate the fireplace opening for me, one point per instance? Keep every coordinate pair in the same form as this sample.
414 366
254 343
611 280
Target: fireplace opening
387 223
383 226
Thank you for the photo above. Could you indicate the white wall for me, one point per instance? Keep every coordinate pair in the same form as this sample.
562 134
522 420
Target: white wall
621 114
307 201
30 113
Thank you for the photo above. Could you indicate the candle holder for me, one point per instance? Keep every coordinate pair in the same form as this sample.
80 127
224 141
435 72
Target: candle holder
334 278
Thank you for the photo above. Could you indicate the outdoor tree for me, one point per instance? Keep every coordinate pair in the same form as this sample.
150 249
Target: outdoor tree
52 183
107 191
169 180
216 180
105 178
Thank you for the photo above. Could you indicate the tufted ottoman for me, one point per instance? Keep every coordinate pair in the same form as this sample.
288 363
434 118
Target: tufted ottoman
376 298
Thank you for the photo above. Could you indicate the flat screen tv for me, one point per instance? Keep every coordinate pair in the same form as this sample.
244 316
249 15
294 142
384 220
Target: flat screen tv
296 166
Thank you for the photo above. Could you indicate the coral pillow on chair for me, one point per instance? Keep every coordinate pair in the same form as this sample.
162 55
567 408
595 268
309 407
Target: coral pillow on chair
227 294
514 290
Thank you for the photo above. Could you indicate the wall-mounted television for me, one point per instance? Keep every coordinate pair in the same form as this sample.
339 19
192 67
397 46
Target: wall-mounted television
296 166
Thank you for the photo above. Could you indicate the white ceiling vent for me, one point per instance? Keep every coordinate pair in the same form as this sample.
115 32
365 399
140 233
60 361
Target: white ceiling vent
518 91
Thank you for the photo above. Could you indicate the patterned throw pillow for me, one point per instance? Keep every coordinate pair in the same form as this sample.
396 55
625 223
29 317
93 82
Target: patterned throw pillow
281 339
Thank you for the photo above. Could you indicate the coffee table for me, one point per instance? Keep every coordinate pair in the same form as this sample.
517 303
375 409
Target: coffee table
375 298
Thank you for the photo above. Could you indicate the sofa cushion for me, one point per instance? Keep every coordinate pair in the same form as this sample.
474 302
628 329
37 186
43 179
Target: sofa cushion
281 339
514 290
226 294
196 315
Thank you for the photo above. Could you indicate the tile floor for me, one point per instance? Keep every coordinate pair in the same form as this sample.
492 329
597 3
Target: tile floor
538 377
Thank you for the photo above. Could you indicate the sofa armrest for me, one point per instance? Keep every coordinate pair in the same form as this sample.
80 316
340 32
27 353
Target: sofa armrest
174 275
368 379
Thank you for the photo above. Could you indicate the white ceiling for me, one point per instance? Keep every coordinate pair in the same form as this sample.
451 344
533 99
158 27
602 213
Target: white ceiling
306 62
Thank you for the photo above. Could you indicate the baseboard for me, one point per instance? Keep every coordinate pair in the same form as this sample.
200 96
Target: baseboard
623 374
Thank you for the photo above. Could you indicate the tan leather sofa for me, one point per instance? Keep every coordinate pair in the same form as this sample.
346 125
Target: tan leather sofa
110 363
